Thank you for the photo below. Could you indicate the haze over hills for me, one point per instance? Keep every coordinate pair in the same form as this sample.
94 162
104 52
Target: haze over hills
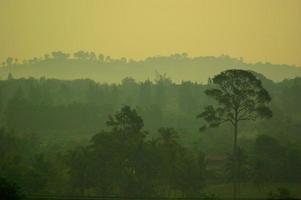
102 68
98 99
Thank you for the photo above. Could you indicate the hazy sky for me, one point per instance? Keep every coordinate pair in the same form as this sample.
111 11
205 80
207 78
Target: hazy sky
258 30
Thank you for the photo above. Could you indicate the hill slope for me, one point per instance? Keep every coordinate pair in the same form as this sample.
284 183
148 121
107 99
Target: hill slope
105 69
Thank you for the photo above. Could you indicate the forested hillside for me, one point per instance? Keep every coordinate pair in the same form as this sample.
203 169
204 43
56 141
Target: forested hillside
103 69
142 138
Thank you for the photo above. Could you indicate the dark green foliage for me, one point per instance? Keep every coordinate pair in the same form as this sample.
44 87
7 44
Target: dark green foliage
239 95
121 161
9 190
269 159
273 162
281 193
127 122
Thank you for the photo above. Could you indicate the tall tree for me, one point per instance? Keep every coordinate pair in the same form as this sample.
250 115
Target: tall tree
240 96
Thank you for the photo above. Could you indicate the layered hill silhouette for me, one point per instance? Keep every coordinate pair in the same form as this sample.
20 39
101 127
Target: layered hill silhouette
102 68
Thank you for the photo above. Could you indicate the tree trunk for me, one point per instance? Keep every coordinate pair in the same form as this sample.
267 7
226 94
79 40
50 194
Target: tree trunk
235 181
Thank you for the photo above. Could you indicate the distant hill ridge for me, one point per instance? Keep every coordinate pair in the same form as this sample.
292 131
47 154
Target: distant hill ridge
102 68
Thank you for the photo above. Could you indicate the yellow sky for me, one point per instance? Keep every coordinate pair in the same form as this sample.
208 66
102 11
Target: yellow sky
258 30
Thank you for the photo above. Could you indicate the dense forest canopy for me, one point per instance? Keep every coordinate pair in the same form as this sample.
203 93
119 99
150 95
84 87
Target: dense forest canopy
101 68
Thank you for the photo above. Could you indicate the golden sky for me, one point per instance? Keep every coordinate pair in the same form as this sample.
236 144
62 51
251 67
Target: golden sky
257 30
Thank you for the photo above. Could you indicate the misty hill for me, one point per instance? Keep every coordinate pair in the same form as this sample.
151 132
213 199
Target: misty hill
102 68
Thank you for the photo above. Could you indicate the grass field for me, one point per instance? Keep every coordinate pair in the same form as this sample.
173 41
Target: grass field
251 191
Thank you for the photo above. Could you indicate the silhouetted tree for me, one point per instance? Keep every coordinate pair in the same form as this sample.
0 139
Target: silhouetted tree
46 56
58 55
9 61
80 55
101 58
240 97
